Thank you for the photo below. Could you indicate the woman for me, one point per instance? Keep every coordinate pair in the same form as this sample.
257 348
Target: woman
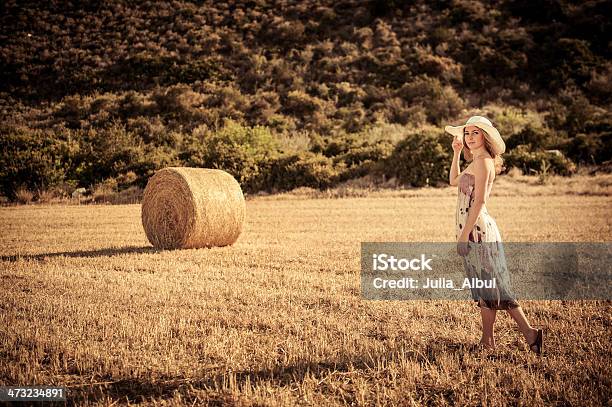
478 239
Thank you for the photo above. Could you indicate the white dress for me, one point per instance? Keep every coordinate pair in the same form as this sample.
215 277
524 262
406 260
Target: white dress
486 260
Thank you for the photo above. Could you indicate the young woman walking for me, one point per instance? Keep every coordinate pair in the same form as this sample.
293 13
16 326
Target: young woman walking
478 238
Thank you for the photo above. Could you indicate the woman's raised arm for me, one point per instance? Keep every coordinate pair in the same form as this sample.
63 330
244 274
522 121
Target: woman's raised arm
453 176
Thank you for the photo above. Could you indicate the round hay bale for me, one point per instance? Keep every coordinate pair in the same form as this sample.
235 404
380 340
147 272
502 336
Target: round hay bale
192 207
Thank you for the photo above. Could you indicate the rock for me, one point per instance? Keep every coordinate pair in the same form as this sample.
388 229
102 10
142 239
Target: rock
79 192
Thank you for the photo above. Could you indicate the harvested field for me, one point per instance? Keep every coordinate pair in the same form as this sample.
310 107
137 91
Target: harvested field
277 318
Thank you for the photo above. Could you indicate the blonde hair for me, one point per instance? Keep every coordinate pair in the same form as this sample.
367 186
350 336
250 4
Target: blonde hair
497 159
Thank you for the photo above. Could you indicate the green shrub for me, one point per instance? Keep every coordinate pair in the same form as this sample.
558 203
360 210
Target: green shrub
536 138
106 153
511 120
354 155
335 145
148 160
530 162
420 159
242 151
33 160
599 86
572 111
365 152
352 117
428 63
152 131
440 102
301 104
72 110
590 148
348 93
351 147
571 60
363 160
396 110
304 169
178 102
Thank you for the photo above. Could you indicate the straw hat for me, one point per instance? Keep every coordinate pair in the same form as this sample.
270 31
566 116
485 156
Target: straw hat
492 134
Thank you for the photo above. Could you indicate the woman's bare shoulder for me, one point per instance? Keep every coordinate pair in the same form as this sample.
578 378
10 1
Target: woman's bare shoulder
484 167
479 165
484 163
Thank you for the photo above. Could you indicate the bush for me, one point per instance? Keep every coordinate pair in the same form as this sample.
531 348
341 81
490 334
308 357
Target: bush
348 93
573 112
152 131
363 160
396 110
33 159
108 152
305 169
103 191
530 162
512 120
590 148
351 117
242 151
440 102
536 138
420 159
426 62
571 59
355 154
178 102
600 85
148 160
23 195
72 110
364 153
301 104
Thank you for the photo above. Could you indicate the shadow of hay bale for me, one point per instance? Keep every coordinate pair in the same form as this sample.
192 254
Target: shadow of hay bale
108 252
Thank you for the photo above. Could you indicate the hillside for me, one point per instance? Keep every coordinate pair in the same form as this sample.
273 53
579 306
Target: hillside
108 92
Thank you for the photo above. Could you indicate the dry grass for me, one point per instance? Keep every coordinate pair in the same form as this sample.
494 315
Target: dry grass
277 318
24 196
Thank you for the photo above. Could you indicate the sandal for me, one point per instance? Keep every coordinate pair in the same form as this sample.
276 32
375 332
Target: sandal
537 343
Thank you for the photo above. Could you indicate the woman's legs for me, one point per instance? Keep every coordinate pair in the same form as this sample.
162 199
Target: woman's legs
488 320
528 331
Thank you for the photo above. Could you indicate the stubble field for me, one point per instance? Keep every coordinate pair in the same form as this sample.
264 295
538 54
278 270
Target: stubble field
277 318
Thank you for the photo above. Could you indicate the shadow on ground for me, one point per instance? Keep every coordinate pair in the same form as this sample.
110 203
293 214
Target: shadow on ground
108 252
214 389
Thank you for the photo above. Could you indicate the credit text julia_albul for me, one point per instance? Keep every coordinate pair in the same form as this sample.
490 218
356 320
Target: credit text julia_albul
385 262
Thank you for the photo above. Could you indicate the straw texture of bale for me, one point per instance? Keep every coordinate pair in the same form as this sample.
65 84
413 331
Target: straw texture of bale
192 207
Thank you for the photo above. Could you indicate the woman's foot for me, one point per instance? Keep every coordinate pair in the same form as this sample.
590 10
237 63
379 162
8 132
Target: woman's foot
485 346
535 345
487 343
531 335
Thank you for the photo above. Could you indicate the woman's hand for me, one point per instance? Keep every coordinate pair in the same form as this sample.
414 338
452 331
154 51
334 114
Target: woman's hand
463 247
457 145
